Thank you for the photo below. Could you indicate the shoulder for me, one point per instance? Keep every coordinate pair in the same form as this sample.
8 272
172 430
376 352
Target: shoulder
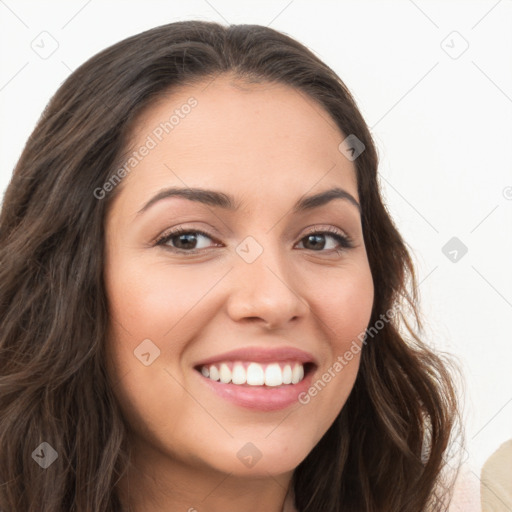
466 492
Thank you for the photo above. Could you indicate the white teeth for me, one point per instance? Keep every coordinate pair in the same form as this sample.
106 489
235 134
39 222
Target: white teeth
273 375
239 376
287 374
297 373
214 373
255 374
225 373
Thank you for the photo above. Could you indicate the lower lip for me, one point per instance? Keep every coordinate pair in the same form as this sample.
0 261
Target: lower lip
261 398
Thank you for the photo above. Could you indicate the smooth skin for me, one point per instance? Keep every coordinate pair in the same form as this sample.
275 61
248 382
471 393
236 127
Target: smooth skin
267 145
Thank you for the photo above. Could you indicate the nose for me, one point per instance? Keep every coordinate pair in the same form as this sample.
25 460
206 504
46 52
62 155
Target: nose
265 291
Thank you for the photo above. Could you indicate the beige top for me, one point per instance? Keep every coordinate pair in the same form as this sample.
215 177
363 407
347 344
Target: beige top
496 480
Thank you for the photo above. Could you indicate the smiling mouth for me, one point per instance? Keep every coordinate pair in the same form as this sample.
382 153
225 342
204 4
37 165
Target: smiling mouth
253 374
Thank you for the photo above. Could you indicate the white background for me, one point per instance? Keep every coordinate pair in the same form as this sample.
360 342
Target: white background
442 120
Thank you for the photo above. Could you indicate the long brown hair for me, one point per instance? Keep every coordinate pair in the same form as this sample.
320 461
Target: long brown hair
384 452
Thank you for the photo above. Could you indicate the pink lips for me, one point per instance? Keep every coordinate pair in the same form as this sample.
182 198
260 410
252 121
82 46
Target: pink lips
261 398
261 355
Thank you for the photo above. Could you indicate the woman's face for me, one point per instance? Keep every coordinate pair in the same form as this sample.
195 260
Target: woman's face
259 288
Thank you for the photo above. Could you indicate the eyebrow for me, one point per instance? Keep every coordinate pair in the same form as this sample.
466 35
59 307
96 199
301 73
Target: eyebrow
227 202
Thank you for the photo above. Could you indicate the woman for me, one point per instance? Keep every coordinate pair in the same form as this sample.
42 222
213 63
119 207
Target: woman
203 294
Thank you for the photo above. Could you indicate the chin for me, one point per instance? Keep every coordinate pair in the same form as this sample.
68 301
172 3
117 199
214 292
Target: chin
261 456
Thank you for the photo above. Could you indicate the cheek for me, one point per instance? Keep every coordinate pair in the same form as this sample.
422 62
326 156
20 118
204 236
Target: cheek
344 310
155 311
345 306
155 301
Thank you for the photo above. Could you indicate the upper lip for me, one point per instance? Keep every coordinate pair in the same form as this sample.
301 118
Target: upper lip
261 355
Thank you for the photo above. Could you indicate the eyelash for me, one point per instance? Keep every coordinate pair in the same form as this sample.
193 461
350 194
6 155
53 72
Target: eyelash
345 241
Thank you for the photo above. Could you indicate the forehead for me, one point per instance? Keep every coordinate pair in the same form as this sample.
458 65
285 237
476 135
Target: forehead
263 137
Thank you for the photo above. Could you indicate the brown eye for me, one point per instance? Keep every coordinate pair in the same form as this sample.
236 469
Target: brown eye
317 241
183 240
